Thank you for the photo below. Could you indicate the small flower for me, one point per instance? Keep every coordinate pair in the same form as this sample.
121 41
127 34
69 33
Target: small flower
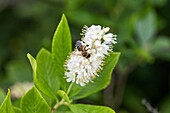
19 89
99 44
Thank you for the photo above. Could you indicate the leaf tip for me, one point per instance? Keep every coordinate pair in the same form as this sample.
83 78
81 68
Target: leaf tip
63 15
28 55
33 87
118 53
42 49
9 91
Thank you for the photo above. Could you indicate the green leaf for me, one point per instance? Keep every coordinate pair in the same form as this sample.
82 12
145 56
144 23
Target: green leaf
146 28
16 110
102 81
32 61
63 109
33 102
6 106
34 66
161 47
83 108
76 109
74 91
46 77
50 101
62 112
62 94
61 46
2 95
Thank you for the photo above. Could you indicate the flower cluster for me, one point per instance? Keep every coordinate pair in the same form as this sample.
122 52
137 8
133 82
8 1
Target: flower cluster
96 43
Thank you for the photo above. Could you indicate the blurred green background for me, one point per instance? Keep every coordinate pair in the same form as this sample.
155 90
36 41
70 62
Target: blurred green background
143 29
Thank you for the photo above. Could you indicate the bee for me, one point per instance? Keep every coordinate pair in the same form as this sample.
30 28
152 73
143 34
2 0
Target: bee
83 49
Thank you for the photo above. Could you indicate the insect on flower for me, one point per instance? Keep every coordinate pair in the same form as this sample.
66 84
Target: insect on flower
83 49
87 60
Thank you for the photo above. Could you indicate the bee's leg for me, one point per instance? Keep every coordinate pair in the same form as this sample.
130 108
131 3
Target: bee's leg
84 53
86 49
88 55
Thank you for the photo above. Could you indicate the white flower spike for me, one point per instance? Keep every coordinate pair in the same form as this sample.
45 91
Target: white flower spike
85 62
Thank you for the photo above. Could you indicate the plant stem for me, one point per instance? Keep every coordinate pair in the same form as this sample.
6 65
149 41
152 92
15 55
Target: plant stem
69 88
63 100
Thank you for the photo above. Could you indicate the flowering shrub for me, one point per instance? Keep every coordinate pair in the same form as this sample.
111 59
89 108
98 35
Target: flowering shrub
54 70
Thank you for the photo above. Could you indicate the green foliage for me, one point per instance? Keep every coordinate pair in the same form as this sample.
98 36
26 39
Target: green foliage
46 77
16 110
33 102
102 81
2 96
75 90
63 112
32 62
83 108
27 26
6 106
63 95
63 109
146 28
160 47
61 46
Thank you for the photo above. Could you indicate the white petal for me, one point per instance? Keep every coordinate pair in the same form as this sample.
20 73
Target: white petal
106 29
